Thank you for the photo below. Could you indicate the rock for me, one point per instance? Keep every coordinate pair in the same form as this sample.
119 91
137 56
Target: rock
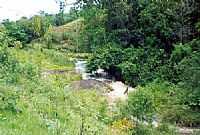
89 85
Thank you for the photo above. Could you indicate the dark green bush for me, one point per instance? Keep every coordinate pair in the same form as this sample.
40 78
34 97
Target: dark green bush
15 31
190 79
130 72
107 58
148 62
133 65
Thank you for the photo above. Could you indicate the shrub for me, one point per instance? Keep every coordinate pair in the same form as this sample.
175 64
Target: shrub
180 52
17 32
8 99
130 73
107 58
9 67
11 70
168 102
30 71
190 79
140 105
135 66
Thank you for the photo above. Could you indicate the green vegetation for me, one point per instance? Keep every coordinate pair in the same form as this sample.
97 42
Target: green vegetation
39 104
153 46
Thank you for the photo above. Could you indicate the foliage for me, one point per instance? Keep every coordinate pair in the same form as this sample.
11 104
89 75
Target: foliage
163 102
45 101
8 99
15 31
94 34
151 40
133 65
140 105
159 21
190 73
9 67
153 32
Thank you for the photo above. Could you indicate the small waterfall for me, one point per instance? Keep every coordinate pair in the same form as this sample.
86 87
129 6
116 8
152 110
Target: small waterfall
80 66
100 74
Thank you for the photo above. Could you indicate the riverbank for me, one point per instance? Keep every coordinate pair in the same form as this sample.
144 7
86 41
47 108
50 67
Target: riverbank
59 100
119 90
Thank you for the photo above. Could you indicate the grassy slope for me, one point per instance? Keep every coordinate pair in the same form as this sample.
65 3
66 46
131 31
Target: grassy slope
74 26
66 37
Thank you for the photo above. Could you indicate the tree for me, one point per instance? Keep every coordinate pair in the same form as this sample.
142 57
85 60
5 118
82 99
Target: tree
60 15
37 25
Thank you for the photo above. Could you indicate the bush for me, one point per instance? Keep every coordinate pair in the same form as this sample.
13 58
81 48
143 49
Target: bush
135 66
9 67
16 32
190 79
8 99
11 70
146 62
130 73
30 71
107 58
168 102
180 52
140 105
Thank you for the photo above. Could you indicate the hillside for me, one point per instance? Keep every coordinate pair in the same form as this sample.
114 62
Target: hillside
66 37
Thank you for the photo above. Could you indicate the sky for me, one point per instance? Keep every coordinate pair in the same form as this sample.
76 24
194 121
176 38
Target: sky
15 9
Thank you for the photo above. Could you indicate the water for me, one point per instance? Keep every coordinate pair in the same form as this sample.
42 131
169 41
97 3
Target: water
80 66
118 87
100 74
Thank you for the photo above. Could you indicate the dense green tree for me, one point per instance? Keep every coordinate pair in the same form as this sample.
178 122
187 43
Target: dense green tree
156 28
94 34
15 31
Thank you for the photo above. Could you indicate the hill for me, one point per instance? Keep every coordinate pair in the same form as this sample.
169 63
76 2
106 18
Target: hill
66 37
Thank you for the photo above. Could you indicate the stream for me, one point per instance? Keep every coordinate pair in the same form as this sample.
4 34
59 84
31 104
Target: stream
119 89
